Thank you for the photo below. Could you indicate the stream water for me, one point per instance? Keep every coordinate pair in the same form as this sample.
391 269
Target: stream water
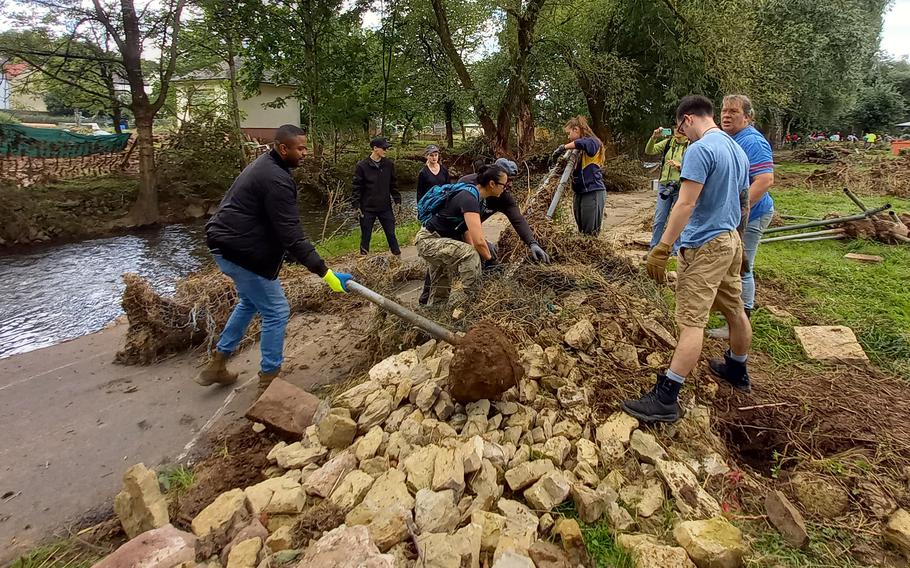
58 292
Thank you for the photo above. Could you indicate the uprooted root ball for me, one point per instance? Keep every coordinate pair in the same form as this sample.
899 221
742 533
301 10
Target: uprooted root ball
485 365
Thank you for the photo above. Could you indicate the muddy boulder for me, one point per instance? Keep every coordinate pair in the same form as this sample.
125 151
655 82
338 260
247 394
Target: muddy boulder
485 365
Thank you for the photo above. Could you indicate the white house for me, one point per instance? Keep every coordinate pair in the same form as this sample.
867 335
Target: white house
208 90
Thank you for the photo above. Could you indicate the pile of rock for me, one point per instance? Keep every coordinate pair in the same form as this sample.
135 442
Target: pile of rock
420 479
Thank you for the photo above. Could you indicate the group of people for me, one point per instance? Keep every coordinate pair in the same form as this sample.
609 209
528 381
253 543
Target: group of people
869 138
712 207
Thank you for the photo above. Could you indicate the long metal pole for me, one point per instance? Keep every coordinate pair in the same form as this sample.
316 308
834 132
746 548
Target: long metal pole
802 235
825 222
825 238
429 326
546 181
570 165
855 199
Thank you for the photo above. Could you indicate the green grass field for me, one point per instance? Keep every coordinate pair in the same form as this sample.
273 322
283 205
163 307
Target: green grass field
341 245
870 298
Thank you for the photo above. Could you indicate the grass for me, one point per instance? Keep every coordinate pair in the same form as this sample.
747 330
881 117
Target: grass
828 548
869 298
796 168
349 243
66 553
599 539
176 479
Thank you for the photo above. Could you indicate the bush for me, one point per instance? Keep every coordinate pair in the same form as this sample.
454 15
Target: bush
7 118
201 162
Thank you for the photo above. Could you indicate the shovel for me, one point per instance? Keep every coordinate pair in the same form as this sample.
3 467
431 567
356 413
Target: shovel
484 365
434 329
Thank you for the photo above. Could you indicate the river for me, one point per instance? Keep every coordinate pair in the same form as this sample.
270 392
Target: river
53 293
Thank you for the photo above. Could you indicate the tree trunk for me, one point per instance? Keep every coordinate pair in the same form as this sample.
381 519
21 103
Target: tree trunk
235 103
117 115
145 208
448 108
464 134
524 124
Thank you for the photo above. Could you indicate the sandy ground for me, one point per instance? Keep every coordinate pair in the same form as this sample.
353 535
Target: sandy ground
73 421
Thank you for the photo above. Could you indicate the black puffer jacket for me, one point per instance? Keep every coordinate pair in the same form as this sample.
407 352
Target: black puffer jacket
258 221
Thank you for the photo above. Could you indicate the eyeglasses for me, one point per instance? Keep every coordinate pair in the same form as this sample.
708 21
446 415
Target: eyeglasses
506 185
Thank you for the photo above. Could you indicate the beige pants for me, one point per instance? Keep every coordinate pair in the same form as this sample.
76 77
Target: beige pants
709 280
445 256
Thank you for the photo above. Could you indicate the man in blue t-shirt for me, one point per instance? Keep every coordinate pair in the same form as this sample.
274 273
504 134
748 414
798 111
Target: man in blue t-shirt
706 219
736 120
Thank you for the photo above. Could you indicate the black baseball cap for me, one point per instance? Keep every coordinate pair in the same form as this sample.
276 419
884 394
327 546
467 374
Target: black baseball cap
380 142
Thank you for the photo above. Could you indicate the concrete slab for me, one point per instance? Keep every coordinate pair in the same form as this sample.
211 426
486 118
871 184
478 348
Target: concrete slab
830 343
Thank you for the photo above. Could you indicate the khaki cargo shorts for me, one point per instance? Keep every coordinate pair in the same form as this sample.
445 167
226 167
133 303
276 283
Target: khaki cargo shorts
708 280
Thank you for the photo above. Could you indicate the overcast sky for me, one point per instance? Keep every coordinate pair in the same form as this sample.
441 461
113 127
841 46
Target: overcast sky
896 32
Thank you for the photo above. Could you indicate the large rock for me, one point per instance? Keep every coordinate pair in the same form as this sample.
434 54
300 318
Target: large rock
711 543
586 453
393 369
647 499
388 491
581 335
534 361
527 473
819 496
897 531
646 448
573 542
557 449
163 547
549 491
786 519
281 539
519 517
369 444
460 550
260 495
140 506
574 402
344 547
223 518
355 397
484 481
471 454
284 409
647 552
296 455
830 343
337 429
513 560
435 512
590 504
287 499
548 555
378 408
492 526
691 500
389 526
324 480
352 490
448 471
620 519
419 467
245 554
614 435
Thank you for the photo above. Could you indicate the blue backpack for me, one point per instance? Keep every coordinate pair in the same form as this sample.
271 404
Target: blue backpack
437 196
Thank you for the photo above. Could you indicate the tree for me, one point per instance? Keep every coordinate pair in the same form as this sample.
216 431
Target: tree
518 37
879 107
121 34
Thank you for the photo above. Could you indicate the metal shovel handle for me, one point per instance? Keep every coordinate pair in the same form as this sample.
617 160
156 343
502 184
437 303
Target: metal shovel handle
439 332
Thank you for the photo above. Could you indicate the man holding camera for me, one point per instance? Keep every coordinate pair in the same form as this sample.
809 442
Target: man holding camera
671 146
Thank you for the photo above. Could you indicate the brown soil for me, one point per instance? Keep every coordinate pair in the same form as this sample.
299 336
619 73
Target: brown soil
237 460
485 364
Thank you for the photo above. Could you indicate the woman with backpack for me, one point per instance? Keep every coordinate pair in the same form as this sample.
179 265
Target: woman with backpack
433 173
587 180
452 239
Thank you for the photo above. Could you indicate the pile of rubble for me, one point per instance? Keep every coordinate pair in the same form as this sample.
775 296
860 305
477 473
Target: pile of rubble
403 475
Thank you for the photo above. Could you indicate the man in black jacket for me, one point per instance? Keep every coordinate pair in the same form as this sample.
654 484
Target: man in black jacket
375 188
255 226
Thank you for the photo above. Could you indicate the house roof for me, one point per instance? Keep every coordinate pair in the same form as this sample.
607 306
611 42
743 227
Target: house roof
15 69
220 71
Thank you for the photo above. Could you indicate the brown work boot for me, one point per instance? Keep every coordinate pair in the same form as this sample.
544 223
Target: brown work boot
265 379
216 372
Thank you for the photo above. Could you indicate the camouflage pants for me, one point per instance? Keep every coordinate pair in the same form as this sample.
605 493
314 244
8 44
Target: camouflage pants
445 256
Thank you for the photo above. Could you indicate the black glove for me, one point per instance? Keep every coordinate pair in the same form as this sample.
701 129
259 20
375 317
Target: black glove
559 151
538 254
489 265
494 250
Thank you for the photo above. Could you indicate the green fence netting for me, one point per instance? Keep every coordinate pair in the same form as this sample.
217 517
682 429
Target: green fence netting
16 140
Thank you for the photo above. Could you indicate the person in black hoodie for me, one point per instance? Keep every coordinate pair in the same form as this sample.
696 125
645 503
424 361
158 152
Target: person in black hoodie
375 188
257 224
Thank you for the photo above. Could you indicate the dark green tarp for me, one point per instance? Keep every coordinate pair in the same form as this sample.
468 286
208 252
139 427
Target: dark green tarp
16 140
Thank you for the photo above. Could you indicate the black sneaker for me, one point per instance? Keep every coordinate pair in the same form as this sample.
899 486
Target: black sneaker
732 372
659 405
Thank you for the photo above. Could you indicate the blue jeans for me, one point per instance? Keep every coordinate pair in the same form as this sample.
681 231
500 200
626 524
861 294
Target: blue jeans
257 295
661 214
754 231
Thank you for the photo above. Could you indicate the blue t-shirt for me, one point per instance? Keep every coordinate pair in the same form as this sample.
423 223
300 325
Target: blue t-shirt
761 161
721 166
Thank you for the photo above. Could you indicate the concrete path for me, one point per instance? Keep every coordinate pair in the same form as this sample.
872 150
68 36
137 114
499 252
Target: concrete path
73 421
